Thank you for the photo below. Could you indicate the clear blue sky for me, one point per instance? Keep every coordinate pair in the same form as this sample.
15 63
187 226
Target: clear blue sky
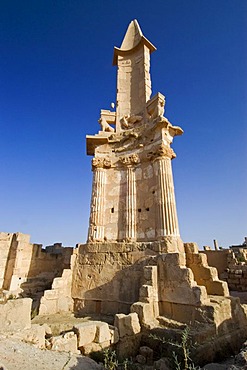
56 74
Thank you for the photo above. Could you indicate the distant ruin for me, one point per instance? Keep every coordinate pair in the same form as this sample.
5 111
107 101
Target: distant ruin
134 266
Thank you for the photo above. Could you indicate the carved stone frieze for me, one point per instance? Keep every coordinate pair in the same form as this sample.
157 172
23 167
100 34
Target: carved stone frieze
128 121
101 162
162 151
130 159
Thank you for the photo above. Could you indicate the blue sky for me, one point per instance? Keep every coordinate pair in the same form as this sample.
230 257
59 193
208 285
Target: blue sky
56 74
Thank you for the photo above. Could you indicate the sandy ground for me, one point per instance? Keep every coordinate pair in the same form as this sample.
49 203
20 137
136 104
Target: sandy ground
17 355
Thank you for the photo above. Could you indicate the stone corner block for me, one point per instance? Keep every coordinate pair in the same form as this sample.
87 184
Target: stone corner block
85 332
128 325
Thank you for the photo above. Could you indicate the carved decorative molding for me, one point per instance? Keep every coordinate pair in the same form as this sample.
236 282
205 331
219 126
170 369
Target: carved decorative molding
130 159
101 163
162 151
156 107
128 121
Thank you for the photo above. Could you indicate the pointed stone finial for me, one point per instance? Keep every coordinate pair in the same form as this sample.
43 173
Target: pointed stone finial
133 79
132 37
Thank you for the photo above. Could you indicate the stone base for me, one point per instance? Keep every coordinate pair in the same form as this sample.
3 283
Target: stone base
107 276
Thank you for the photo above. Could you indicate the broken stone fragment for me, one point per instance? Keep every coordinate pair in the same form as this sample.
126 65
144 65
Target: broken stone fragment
85 332
65 343
128 325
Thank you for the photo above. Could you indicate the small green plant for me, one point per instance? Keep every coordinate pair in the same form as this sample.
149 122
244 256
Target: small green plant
110 359
128 364
184 346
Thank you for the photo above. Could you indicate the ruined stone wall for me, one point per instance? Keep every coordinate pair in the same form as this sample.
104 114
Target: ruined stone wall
22 262
107 276
237 278
217 259
5 244
231 266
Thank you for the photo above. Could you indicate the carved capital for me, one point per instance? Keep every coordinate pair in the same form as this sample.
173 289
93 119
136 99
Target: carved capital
162 151
130 159
101 163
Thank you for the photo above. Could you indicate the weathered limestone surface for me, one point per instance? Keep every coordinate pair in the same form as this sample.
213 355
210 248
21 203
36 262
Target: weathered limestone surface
218 259
204 274
35 335
231 265
107 276
133 192
93 336
65 343
15 315
26 267
129 334
58 299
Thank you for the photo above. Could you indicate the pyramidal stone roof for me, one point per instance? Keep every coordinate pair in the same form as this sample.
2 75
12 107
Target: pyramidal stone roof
132 39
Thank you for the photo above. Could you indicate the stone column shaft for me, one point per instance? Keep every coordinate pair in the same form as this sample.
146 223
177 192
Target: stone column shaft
96 227
131 205
167 213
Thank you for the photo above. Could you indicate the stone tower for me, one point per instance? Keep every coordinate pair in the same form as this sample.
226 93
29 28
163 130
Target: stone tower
133 196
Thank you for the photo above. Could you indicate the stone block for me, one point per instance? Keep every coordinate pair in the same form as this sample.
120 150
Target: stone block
35 335
67 274
102 332
15 315
114 334
51 294
128 346
47 306
57 283
217 288
173 259
65 304
144 312
204 273
22 237
127 325
150 275
191 248
146 293
85 332
94 347
65 343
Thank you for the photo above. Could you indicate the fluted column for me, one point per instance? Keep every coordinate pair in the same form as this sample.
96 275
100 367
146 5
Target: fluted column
131 205
96 226
167 221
